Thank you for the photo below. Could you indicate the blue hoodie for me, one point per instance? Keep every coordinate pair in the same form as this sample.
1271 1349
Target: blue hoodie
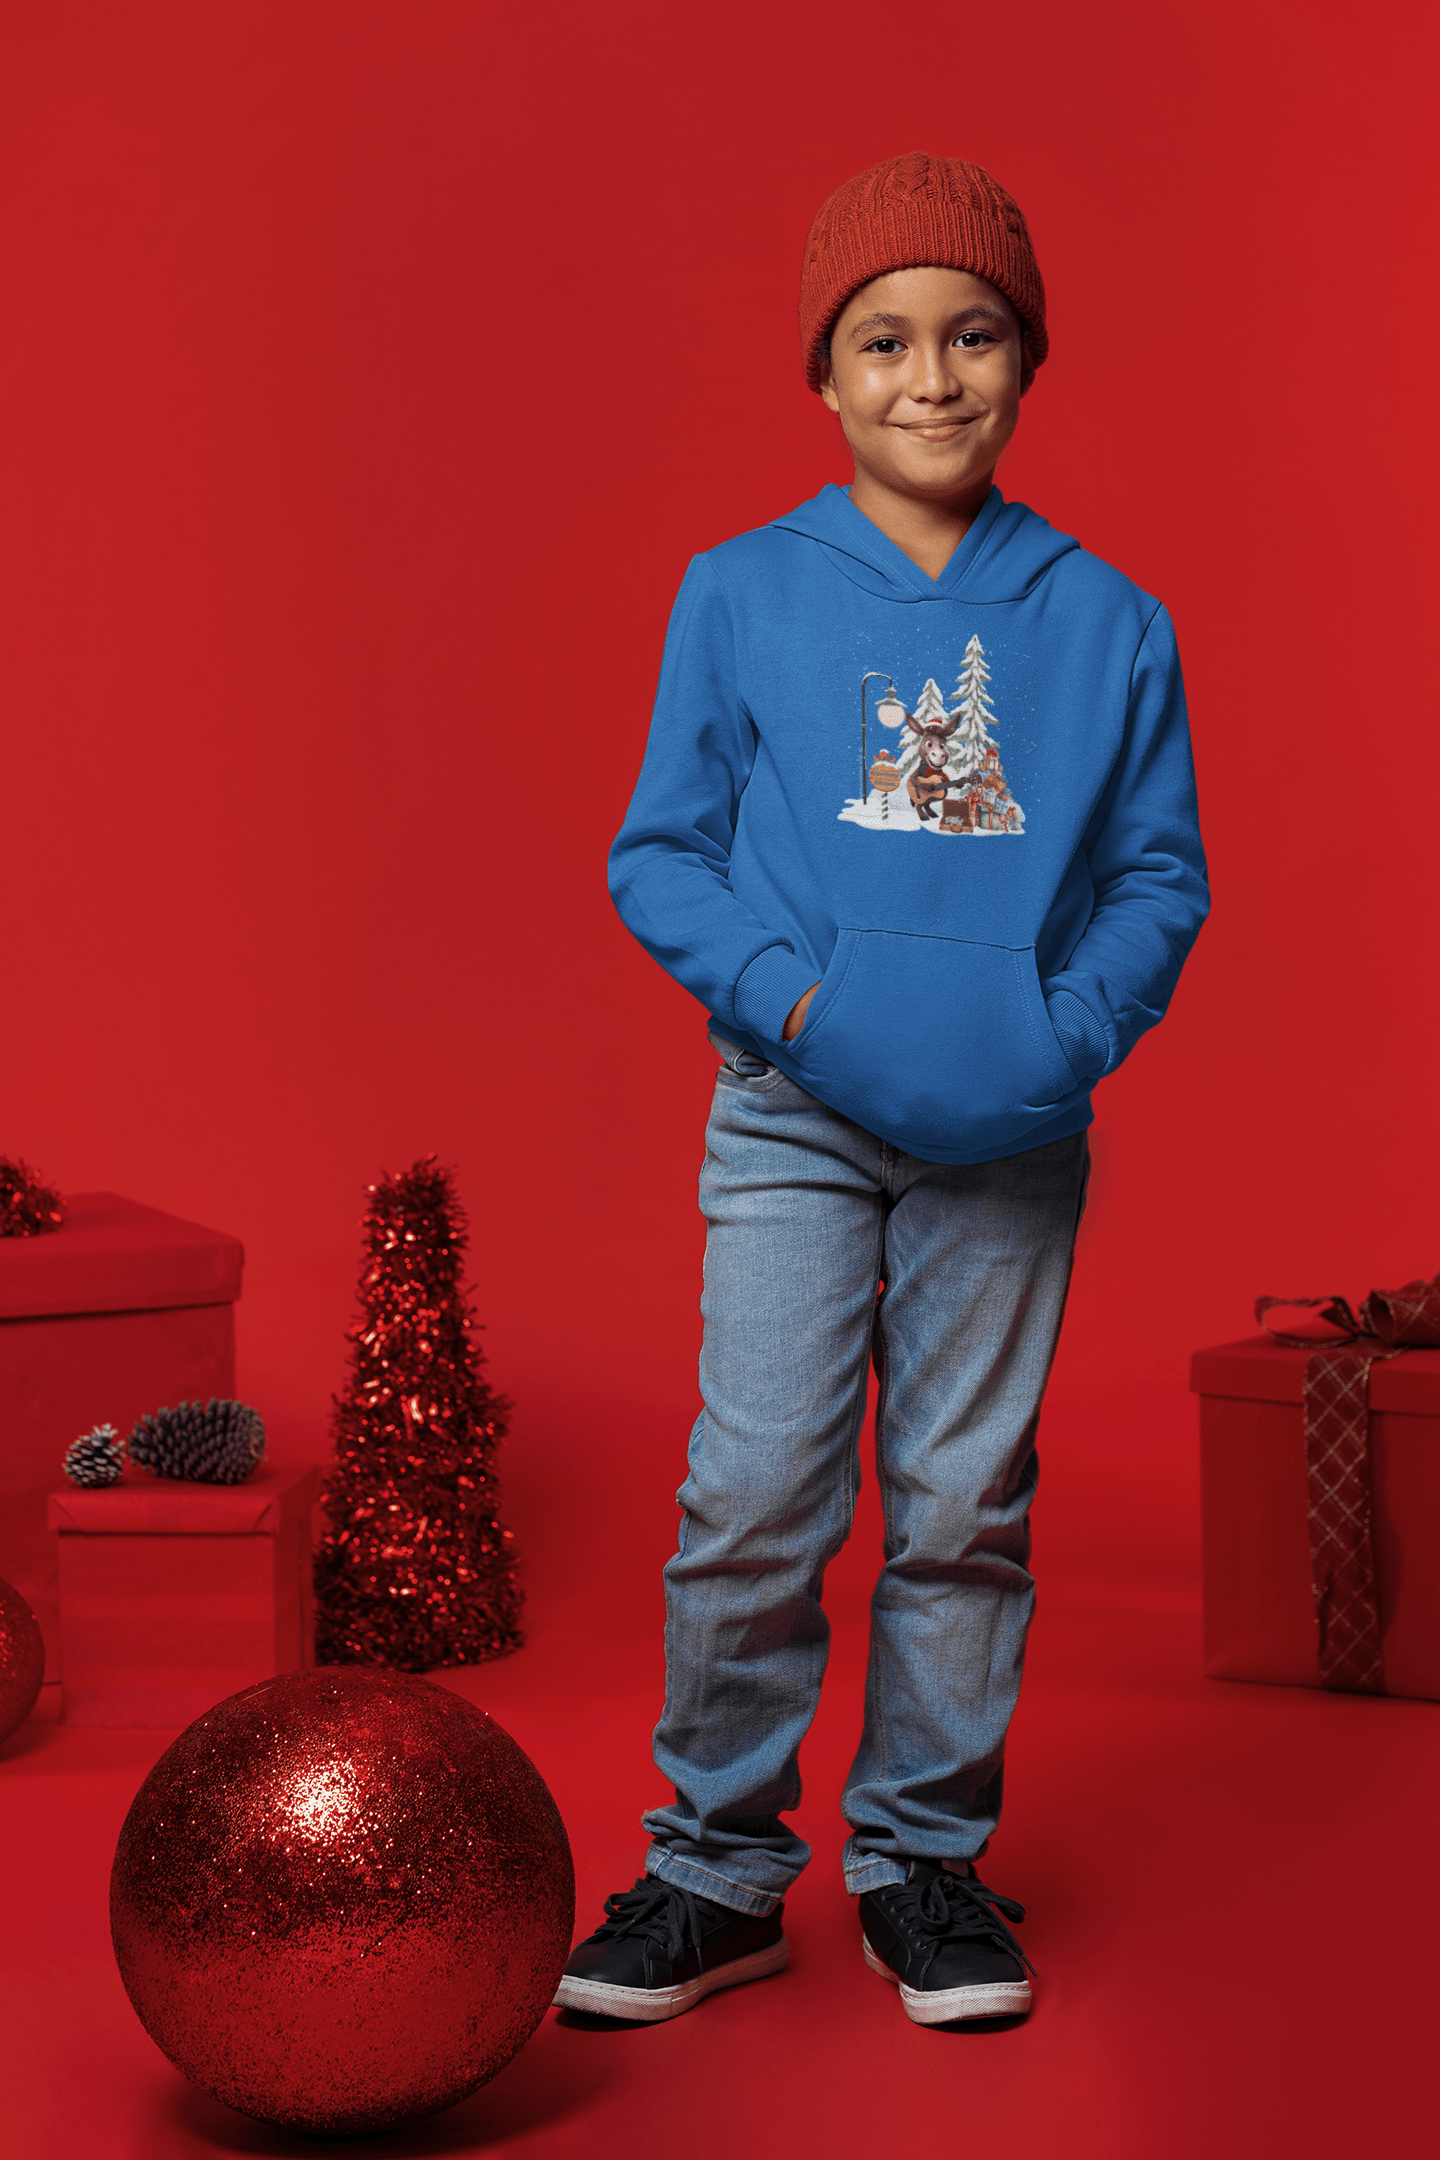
780 835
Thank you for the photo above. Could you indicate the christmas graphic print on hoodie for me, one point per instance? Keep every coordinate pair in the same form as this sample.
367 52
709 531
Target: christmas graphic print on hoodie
812 797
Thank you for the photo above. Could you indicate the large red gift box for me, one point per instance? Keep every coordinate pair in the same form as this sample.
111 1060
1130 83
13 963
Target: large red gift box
120 1311
1259 1601
175 1595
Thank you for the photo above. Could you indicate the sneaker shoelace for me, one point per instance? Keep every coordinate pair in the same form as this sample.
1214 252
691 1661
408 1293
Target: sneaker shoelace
659 1911
962 1908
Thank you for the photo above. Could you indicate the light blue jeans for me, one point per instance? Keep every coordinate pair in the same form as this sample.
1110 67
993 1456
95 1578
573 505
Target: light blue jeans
808 1215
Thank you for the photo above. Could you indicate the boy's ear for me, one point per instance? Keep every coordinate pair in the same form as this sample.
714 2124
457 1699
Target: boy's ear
827 385
1027 363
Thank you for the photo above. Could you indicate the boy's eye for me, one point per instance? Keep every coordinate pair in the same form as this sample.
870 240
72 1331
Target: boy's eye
967 340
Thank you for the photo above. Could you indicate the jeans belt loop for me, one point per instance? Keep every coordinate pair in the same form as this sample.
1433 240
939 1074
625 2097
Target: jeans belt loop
729 1052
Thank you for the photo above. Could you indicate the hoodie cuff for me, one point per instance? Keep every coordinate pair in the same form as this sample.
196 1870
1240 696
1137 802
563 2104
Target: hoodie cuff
769 990
1080 1035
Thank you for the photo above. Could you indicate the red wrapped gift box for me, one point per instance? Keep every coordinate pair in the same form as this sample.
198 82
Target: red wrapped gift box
119 1311
174 1595
1259 1602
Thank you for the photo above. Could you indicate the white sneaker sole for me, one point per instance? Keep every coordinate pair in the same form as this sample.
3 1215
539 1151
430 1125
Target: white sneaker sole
1003 1998
648 2006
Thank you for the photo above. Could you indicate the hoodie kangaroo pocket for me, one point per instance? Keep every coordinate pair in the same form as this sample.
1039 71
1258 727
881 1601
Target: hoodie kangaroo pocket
933 1041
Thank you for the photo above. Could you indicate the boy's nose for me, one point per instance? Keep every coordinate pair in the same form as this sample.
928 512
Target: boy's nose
935 376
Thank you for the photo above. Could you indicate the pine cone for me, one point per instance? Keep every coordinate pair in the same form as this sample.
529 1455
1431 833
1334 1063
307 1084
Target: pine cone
27 1204
96 1457
215 1443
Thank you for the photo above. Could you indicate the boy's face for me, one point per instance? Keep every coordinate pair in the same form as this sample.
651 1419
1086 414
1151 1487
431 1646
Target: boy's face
926 372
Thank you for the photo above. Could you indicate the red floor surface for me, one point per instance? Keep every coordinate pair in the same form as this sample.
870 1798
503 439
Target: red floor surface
1232 1893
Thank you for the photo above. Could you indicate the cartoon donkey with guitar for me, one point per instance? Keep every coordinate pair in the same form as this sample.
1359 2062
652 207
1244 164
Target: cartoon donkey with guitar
927 784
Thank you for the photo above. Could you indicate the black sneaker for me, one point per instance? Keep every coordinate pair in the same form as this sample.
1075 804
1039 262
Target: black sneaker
659 1950
940 1938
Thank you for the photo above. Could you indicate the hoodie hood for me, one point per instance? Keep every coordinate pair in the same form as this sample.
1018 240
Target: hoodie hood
1006 552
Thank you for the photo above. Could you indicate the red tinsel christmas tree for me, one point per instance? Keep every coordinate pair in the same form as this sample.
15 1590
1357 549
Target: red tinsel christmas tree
28 1206
416 1569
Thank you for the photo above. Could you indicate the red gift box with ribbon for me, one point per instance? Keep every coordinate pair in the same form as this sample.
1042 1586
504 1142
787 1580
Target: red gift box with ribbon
1320 1495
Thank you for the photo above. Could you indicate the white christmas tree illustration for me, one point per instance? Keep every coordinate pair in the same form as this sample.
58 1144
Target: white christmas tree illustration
973 740
931 705
989 807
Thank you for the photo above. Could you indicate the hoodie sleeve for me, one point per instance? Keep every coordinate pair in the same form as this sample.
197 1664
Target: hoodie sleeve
1148 871
670 865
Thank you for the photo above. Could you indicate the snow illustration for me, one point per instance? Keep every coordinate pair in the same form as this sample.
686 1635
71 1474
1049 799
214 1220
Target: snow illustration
944 774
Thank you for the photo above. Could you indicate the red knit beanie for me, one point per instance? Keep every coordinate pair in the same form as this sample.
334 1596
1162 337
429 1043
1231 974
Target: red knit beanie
915 212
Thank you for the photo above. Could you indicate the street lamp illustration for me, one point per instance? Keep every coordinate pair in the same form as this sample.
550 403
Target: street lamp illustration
891 713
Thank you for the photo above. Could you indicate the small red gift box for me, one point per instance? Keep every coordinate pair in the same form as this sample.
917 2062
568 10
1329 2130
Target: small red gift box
174 1595
120 1311
1259 1601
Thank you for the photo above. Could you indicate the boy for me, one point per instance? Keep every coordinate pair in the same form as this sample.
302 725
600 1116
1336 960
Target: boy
910 1024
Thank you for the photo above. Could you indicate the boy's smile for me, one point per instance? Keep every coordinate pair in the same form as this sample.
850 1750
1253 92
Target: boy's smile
926 371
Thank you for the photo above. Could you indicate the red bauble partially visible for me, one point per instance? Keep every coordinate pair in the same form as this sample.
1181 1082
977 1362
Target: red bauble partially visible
342 1898
22 1659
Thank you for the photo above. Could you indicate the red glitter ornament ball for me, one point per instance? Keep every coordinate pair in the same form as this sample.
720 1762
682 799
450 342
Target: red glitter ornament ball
22 1660
341 1899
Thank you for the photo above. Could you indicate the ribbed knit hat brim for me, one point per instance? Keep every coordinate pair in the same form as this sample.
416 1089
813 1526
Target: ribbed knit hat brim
910 213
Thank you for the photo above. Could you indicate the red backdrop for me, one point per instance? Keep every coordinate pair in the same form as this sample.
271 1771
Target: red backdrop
371 372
